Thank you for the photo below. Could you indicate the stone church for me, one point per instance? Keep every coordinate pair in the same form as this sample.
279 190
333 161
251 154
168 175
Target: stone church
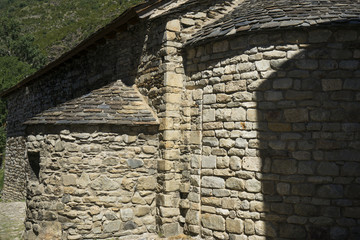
214 119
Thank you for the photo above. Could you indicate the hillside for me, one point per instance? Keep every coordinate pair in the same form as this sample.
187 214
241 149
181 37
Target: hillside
36 32
58 25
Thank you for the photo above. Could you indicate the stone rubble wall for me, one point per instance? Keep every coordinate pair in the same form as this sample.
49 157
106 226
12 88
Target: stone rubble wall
16 170
279 114
94 183
115 59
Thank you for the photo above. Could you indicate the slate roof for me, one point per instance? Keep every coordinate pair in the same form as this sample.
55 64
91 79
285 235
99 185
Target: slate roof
114 104
255 15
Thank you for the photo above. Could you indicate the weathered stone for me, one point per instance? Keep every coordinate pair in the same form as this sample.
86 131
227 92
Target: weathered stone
173 25
321 35
208 162
252 163
212 182
331 191
147 183
235 183
209 115
253 185
234 225
214 222
287 166
112 227
135 163
296 115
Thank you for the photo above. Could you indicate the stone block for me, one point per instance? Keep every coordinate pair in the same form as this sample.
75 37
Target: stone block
208 115
172 185
164 165
275 54
208 162
307 64
296 115
249 227
253 185
235 183
209 98
173 79
242 96
171 135
173 25
235 163
170 229
284 166
352 212
345 35
292 231
273 95
303 189
331 84
235 86
169 212
221 46
234 225
279 127
328 169
210 141
171 154
126 214
192 217
213 222
147 183
319 35
330 191
238 114
227 143
135 163
283 188
69 179
350 169
252 164
112 227
253 115
212 182
262 65
282 83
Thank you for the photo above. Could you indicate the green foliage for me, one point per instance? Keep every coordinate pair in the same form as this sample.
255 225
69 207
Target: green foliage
58 25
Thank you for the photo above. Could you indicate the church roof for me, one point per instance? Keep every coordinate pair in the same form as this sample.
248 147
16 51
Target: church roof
255 15
114 104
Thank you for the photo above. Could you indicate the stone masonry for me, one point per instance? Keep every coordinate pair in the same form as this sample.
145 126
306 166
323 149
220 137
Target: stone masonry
234 120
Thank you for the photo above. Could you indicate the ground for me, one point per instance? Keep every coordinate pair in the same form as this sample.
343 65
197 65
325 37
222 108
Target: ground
12 216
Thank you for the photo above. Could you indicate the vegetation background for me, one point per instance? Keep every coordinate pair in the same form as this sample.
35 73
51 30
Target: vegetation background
36 32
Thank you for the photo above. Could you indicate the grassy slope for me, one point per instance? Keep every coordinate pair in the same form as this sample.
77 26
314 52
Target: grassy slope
58 25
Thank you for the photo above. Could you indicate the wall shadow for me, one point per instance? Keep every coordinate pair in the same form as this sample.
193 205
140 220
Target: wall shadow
306 113
308 116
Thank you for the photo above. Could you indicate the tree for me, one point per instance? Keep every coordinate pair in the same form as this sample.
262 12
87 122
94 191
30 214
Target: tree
19 57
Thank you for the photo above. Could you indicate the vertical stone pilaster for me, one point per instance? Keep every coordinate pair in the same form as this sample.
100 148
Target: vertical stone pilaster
170 166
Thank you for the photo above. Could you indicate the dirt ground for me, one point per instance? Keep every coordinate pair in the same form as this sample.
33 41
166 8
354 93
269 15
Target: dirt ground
12 216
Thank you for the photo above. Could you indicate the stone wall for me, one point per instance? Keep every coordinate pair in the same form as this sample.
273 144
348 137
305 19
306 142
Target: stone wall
101 64
94 183
161 78
16 169
279 113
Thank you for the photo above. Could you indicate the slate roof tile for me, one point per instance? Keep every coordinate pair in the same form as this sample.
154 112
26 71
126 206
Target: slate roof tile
115 104
257 15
